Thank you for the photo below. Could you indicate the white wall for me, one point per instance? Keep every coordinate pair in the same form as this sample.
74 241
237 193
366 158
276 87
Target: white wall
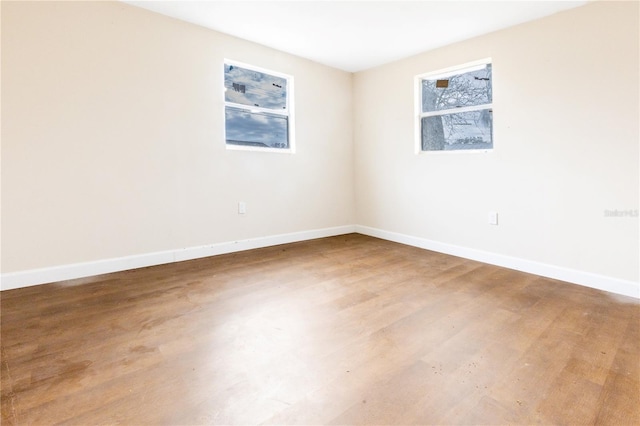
566 123
112 139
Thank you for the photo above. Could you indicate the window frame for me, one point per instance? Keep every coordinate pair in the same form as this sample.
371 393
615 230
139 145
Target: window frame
419 115
288 112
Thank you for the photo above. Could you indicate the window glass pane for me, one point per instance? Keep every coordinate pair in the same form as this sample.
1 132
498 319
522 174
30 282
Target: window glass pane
253 88
256 129
464 130
469 88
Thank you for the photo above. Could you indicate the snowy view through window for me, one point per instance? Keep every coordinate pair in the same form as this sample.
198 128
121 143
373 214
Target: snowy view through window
256 112
456 110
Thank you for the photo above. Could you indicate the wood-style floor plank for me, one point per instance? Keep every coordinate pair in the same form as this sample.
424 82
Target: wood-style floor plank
342 330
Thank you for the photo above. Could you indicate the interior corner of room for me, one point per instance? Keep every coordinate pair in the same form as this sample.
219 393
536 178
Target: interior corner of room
113 155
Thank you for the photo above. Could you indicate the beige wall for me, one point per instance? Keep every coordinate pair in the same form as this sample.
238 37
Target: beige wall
112 142
112 138
566 123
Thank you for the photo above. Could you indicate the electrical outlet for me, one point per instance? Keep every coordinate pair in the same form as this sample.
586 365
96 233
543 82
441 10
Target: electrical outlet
493 218
242 207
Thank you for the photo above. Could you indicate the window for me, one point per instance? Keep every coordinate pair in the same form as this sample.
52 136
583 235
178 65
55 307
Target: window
454 110
258 112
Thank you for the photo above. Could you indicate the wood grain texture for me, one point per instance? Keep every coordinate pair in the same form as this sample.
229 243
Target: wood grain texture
341 330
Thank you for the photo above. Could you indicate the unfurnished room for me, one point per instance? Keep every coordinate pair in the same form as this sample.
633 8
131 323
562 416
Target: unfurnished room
320 212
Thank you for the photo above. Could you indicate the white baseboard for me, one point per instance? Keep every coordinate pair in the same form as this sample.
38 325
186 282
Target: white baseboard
32 277
587 279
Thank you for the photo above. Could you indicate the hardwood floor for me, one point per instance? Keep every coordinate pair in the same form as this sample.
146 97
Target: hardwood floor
342 330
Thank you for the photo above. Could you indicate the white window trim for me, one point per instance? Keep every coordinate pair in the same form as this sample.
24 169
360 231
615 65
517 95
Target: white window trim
288 111
418 114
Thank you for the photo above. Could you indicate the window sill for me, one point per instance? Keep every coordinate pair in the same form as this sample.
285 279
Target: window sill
232 147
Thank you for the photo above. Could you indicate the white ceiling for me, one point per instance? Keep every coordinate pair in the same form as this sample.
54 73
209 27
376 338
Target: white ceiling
358 34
